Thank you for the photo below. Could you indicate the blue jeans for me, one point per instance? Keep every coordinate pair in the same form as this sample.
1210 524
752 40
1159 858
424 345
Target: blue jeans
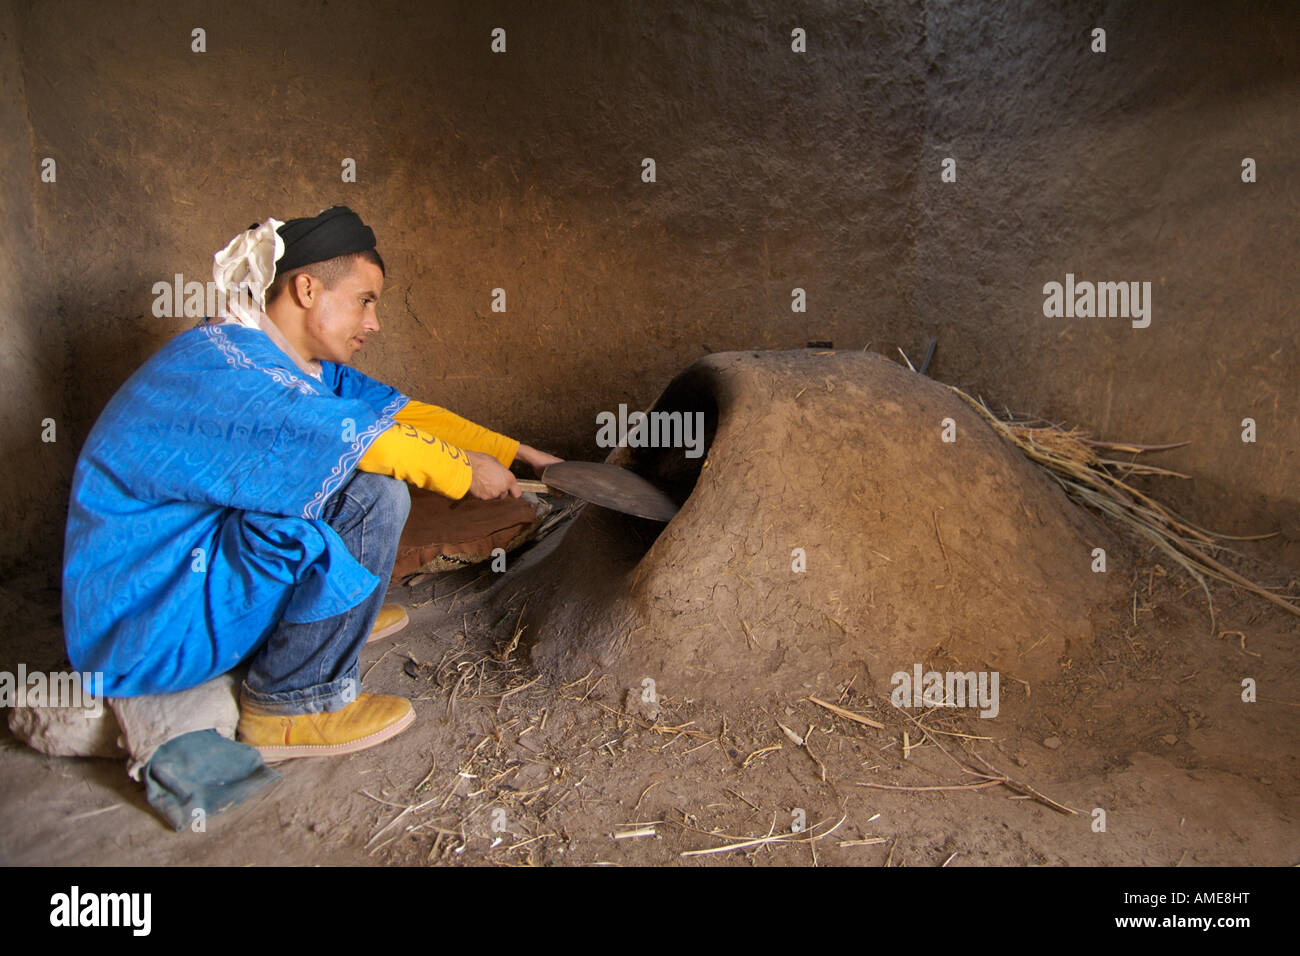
308 668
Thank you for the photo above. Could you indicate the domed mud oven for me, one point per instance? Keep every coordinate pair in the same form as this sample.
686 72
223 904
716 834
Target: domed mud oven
849 513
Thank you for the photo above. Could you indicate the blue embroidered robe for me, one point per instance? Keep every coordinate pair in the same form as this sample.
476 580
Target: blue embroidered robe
195 517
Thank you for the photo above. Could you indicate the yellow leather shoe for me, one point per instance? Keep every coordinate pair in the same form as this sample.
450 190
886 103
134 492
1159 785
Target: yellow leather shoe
390 619
370 719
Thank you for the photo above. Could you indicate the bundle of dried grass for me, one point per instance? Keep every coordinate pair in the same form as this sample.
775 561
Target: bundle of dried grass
1076 462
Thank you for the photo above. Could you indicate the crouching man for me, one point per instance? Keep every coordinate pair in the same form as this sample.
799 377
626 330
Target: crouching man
240 500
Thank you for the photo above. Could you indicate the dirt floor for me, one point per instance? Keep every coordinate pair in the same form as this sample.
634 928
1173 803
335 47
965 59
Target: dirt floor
503 768
819 173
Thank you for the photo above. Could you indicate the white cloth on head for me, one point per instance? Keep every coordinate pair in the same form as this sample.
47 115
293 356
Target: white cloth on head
248 263
243 271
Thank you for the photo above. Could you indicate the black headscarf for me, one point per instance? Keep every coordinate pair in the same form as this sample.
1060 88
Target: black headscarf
337 231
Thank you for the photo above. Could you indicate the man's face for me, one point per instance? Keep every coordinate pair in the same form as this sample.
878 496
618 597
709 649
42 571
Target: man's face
339 319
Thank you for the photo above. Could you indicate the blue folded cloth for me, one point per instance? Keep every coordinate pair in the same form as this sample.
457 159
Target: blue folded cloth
202 770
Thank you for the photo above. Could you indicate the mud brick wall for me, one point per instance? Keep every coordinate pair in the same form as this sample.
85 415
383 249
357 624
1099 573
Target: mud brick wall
775 170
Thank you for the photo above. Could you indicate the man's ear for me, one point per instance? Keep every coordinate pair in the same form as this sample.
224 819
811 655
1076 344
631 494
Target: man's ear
305 289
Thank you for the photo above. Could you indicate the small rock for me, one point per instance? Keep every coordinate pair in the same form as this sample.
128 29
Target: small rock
1052 743
68 731
1170 739
1020 761
634 704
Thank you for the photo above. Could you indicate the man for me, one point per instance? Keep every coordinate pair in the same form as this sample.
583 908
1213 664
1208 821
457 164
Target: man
240 500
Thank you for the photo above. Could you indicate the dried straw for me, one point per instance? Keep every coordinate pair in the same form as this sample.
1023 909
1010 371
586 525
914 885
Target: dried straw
1073 460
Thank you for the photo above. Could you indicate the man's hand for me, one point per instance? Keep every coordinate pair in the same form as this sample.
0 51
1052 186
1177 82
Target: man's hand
491 479
537 460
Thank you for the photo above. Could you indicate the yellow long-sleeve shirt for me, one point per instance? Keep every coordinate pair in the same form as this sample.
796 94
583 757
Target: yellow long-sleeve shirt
427 446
